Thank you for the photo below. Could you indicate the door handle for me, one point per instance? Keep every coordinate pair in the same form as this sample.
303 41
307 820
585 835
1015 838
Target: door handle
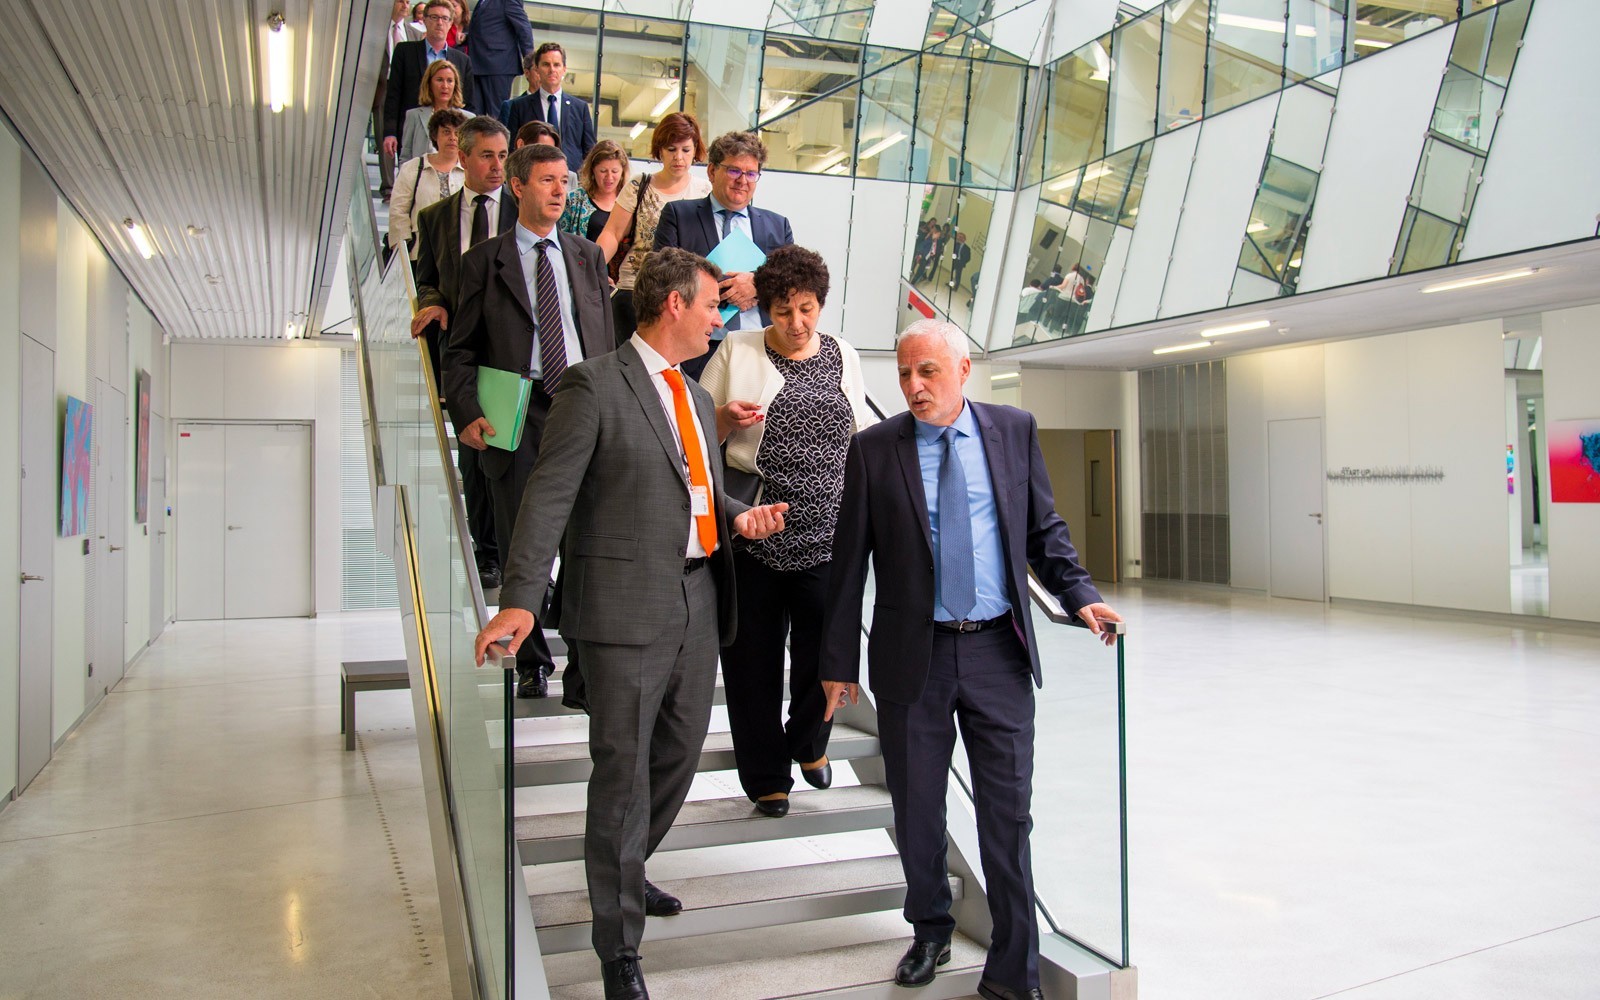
30 578
114 548
1318 516
235 527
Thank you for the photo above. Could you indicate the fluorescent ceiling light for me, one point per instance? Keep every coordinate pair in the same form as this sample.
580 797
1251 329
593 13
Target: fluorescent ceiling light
1373 43
1256 226
778 109
280 68
1073 178
1253 23
881 145
1487 279
837 170
637 130
1182 347
141 242
1003 376
831 160
668 101
1294 261
1305 31
1255 324
289 331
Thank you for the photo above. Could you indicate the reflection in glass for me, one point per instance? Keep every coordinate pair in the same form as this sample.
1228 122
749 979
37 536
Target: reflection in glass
994 122
1075 115
803 131
642 78
1380 25
1247 47
1510 21
724 70
1468 107
1183 63
941 114
1316 38
1136 48
579 33
1428 242
1447 180
1274 234
839 20
883 145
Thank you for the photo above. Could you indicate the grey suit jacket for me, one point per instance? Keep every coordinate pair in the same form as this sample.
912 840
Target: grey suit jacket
610 479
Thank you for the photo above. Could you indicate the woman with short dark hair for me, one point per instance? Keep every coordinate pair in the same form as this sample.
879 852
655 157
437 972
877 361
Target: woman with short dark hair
789 398
426 179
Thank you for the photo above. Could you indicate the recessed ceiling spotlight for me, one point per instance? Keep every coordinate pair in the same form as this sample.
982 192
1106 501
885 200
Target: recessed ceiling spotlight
213 279
196 231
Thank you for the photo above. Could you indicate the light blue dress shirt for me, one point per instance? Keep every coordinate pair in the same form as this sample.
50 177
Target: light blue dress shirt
749 319
434 55
989 561
526 240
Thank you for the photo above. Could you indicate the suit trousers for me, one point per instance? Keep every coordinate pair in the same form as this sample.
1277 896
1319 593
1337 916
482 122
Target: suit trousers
488 93
984 682
649 708
505 493
480 509
775 605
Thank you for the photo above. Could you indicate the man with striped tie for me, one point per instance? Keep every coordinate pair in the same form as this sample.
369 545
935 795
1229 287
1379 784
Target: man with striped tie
532 300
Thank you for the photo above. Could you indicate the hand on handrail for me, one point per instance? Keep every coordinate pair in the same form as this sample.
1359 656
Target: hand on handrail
511 623
427 315
1102 621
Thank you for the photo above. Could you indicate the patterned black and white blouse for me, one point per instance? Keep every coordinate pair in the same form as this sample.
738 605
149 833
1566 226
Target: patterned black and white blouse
801 459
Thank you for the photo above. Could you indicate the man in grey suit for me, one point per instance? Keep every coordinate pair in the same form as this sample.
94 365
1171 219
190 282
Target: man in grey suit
630 475
533 300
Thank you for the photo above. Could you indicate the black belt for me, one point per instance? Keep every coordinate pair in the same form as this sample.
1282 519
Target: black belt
690 565
966 627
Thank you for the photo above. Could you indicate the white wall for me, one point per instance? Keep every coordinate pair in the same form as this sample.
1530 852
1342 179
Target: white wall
296 381
71 564
1572 530
10 455
1160 208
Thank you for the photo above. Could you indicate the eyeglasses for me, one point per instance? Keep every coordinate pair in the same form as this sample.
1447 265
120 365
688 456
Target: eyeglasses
446 18
735 174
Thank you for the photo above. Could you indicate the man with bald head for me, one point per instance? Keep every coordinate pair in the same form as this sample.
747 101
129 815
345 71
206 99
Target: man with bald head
951 501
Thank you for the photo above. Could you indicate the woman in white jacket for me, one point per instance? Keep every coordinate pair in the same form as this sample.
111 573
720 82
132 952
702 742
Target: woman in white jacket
789 398
420 182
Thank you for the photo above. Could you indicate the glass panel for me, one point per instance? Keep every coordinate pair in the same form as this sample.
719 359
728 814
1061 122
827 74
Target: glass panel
805 133
1380 25
1470 48
994 123
1246 52
1248 286
724 71
941 113
1300 130
930 271
1282 203
1183 63
1510 21
1468 107
578 32
1316 37
883 147
1427 242
964 255
643 77
1130 203
1447 181
1103 185
1137 50
840 20
1075 118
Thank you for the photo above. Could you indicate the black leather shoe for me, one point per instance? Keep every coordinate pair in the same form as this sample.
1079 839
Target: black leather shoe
532 685
818 777
660 903
776 808
623 980
921 961
994 991
489 579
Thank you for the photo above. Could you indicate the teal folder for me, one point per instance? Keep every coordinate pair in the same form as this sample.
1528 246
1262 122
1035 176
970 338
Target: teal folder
735 254
503 397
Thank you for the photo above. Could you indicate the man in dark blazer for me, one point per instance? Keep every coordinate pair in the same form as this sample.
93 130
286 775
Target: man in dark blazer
526 305
735 160
410 61
497 40
952 503
400 29
483 207
546 68
631 479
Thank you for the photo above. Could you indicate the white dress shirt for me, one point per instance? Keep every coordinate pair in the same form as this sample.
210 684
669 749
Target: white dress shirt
655 364
544 107
749 319
469 205
527 243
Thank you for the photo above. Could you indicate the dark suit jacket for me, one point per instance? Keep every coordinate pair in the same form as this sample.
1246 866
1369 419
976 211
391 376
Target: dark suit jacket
492 325
610 480
410 61
884 516
577 124
693 226
498 38
439 248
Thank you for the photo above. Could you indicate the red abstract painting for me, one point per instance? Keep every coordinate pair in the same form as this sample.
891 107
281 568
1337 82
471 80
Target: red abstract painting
1574 447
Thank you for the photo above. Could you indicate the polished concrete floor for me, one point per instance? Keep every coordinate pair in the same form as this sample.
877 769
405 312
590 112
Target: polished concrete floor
1324 801
204 834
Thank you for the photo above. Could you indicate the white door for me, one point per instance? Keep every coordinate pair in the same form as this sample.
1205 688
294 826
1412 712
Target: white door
242 509
110 538
40 432
267 538
157 524
198 520
1294 496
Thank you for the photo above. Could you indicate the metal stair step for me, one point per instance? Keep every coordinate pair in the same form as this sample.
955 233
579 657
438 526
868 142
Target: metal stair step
714 904
852 972
549 837
544 708
560 763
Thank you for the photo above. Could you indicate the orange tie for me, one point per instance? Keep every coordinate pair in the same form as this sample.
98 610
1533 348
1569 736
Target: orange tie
705 524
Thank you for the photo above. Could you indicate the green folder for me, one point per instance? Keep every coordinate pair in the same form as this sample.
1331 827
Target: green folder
503 398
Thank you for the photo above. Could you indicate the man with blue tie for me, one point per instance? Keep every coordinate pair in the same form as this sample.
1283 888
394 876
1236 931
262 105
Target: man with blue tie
545 101
951 502
698 225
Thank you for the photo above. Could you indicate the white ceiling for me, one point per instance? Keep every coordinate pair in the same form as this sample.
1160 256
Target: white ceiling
1568 275
156 110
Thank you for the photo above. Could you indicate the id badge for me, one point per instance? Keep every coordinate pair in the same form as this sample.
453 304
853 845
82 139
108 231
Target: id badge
699 501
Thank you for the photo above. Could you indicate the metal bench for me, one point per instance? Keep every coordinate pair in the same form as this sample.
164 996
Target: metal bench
366 675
